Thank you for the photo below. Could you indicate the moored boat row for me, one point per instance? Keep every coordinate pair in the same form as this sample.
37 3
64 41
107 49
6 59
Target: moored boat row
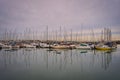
82 46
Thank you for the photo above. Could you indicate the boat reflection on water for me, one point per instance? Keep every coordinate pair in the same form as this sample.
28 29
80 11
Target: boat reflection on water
83 51
105 58
48 58
54 62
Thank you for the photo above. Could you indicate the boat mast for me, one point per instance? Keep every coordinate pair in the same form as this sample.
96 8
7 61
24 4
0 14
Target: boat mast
64 35
93 36
46 33
76 36
102 35
71 35
60 37
56 35
81 33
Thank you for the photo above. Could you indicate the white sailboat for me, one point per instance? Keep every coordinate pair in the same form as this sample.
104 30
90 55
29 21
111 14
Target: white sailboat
28 46
83 46
5 46
57 46
44 45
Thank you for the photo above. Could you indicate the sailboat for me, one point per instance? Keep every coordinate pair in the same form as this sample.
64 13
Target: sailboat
83 46
5 46
106 44
102 46
44 45
58 46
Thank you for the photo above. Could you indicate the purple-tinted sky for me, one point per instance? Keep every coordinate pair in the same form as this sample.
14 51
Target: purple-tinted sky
36 14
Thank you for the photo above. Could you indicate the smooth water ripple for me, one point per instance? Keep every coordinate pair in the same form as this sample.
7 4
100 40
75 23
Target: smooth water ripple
44 64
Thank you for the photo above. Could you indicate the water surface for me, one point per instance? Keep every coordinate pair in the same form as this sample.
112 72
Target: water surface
44 64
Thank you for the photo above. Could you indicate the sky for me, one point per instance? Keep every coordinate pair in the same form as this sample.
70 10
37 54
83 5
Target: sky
20 15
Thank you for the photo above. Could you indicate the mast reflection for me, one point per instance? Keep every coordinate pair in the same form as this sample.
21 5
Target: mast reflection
55 59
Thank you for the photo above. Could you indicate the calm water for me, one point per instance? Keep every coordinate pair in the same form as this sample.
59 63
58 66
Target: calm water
42 64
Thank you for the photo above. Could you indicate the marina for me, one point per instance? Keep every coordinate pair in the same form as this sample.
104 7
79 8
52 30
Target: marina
105 41
58 45
60 60
59 39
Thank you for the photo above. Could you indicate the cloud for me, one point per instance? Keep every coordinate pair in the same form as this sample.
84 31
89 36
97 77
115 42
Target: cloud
22 14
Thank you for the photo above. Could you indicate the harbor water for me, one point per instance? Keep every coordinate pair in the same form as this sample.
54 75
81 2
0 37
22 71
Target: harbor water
45 64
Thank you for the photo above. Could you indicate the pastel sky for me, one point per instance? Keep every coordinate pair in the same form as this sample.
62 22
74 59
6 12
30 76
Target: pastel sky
70 14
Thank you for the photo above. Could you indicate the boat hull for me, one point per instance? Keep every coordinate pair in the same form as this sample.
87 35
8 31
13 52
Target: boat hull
102 48
84 48
60 47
